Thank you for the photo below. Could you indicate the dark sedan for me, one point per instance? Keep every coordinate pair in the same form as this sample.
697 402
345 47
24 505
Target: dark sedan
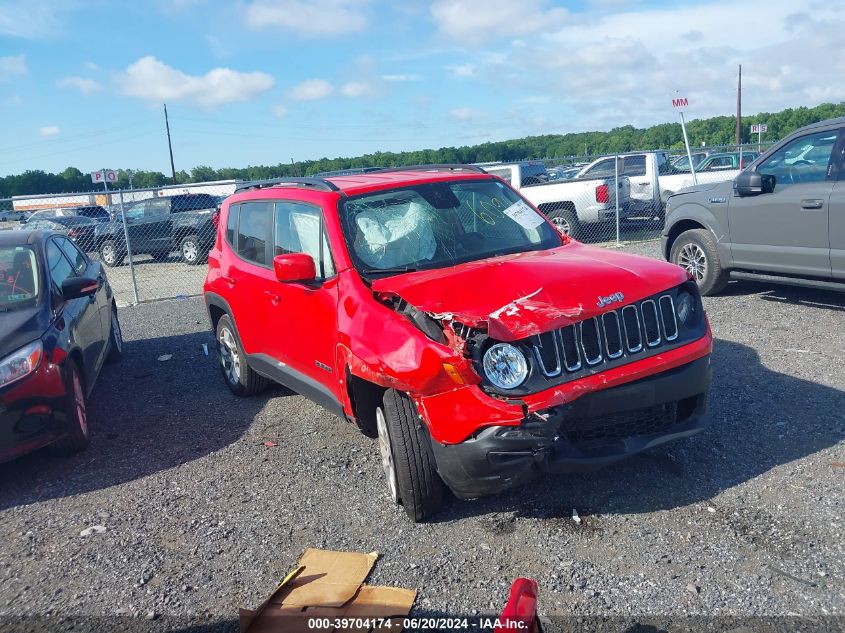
79 228
58 325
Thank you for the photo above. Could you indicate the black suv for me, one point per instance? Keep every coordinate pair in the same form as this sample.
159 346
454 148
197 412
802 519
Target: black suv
158 226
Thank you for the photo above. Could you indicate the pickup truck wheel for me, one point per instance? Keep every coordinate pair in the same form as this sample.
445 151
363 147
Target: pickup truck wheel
406 457
189 249
696 251
566 222
110 254
241 379
76 411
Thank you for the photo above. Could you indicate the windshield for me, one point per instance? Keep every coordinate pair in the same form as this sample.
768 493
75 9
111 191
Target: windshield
440 224
18 278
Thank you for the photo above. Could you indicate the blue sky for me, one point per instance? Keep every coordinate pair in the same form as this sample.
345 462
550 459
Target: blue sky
265 81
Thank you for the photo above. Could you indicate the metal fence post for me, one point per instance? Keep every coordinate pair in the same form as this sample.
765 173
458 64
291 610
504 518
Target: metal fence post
128 249
616 184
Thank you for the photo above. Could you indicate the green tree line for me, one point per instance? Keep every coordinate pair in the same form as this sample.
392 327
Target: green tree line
713 131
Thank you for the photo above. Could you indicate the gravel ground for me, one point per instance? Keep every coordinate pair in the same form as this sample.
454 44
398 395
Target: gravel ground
201 518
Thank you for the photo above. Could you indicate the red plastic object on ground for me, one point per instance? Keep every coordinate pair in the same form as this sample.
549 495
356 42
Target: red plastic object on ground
520 613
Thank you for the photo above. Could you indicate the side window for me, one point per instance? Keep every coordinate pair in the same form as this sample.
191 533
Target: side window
633 166
232 224
135 211
77 257
255 232
300 229
806 159
602 169
60 267
504 174
157 208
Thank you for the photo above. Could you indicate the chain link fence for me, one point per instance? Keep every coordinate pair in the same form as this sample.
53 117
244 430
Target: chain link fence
154 242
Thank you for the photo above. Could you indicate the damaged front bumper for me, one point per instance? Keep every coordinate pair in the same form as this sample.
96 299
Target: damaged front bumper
594 430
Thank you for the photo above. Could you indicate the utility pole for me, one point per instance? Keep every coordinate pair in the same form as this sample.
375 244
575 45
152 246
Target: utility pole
169 145
738 138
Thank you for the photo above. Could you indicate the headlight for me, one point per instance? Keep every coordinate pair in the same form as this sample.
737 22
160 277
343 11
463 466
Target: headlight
685 308
21 363
505 366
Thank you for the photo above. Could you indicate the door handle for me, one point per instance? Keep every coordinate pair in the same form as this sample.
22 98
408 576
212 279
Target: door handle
273 296
812 204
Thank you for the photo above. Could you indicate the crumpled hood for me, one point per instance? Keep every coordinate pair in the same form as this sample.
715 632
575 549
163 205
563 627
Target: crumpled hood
517 296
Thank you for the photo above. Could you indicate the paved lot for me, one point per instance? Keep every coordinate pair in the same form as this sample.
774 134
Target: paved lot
745 519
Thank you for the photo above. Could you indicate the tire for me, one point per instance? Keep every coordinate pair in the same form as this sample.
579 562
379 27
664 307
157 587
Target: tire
190 250
241 379
160 256
115 338
76 411
406 457
110 254
695 250
566 221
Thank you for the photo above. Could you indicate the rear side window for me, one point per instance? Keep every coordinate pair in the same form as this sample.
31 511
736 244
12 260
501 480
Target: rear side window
255 232
232 225
633 166
194 202
157 208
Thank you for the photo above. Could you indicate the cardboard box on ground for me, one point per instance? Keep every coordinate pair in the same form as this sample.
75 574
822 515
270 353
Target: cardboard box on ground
328 585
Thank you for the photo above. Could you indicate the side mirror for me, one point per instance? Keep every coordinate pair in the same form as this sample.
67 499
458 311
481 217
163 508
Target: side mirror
75 287
752 183
293 267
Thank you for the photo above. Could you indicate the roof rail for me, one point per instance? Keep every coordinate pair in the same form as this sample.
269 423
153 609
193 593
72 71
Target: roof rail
318 184
437 167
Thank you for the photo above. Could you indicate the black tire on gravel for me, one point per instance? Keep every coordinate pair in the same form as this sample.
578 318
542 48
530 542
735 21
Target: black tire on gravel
115 338
241 379
419 487
190 250
696 251
76 412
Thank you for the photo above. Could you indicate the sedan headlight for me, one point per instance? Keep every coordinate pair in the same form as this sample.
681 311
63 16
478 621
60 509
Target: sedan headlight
21 363
685 308
505 366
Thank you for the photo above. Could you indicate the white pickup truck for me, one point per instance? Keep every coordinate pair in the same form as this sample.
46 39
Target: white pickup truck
653 179
569 204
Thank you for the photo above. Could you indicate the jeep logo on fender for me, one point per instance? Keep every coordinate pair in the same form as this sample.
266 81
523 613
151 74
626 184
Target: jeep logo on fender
615 297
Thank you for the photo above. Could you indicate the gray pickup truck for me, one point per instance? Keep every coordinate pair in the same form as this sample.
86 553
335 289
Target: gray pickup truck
781 220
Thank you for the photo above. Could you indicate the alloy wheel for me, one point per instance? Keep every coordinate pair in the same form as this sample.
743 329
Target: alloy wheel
229 356
190 251
693 258
386 455
108 253
562 224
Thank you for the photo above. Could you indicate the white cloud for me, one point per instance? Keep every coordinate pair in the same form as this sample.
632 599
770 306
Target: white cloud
462 70
315 18
49 130
152 80
311 89
464 114
12 66
356 89
469 22
31 19
401 77
280 111
84 85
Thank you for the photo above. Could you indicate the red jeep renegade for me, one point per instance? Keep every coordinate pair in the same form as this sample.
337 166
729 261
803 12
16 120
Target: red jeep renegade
442 313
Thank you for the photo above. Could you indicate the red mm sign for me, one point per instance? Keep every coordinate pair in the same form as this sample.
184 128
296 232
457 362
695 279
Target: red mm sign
680 102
